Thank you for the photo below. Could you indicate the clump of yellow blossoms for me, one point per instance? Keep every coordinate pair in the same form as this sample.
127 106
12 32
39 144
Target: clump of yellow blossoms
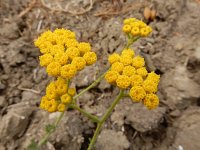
135 27
128 71
63 56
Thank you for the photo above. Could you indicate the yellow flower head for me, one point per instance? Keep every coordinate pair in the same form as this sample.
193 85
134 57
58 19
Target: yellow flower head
128 52
123 81
52 105
153 77
61 86
113 58
51 92
71 43
71 91
79 62
61 58
137 93
138 62
45 47
149 86
84 47
145 31
136 80
111 76
66 99
61 107
151 101
117 66
53 69
129 71
68 71
135 31
45 60
126 60
72 52
56 49
90 58
142 71
126 28
129 20
44 103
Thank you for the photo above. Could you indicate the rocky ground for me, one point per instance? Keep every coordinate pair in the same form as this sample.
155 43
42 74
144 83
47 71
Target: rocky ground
173 50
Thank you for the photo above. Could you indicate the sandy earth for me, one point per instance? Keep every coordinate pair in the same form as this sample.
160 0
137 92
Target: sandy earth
173 50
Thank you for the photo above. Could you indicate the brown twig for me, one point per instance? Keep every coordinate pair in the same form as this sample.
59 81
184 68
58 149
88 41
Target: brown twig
124 9
60 9
30 6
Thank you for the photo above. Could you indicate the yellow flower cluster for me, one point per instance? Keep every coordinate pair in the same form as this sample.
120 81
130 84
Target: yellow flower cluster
63 55
127 71
136 27
58 96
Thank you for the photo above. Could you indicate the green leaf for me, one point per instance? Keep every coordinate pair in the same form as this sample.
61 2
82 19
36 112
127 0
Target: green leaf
50 128
32 146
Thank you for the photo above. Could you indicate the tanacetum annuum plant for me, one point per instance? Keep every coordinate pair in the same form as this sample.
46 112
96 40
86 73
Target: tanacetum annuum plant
63 57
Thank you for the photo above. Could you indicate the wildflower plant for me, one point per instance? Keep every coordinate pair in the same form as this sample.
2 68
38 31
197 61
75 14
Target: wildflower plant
63 57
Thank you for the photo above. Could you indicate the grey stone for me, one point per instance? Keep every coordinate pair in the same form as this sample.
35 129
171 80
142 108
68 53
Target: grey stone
112 140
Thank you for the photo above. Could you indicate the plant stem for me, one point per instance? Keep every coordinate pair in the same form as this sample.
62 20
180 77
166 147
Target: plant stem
44 139
130 41
92 117
90 86
104 118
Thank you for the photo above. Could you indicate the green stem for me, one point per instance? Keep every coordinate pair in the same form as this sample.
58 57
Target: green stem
104 118
130 41
44 139
92 117
91 86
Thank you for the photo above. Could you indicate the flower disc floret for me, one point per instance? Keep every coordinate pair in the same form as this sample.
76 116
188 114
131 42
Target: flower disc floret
129 71
126 28
137 93
45 47
113 58
135 31
71 91
153 77
142 71
51 91
53 69
79 62
128 52
123 81
111 76
117 66
61 58
151 101
90 58
45 60
66 99
61 86
126 60
43 103
149 86
136 80
138 62
72 52
71 43
84 47
56 49
68 71
144 31
61 107
52 105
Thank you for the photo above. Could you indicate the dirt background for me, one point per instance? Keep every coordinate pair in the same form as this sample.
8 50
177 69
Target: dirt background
173 49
